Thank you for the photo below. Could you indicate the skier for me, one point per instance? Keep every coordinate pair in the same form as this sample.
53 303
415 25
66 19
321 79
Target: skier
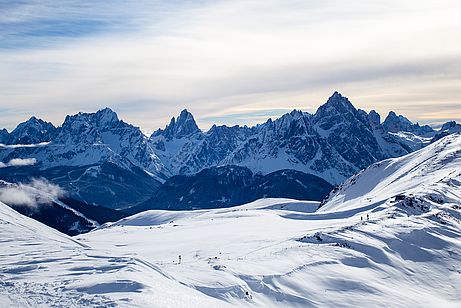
179 259
368 217
361 218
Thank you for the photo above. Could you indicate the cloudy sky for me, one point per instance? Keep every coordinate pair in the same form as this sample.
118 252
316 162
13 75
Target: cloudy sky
228 62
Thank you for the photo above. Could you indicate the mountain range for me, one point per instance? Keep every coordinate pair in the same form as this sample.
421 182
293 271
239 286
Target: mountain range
101 160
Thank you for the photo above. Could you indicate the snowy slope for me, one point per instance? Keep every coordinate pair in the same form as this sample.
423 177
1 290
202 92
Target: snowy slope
434 171
40 267
268 253
390 236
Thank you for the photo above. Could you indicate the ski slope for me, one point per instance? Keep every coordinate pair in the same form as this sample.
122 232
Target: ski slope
41 267
268 253
276 252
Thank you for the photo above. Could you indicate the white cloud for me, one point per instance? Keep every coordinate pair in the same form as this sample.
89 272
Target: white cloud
16 196
19 162
38 191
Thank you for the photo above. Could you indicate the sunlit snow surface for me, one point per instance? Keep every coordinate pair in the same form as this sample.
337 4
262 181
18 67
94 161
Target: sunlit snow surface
272 252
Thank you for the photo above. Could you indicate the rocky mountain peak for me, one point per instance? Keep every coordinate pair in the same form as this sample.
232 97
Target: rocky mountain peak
337 102
398 123
448 125
337 109
102 119
292 124
31 131
374 118
395 123
182 126
105 116
4 136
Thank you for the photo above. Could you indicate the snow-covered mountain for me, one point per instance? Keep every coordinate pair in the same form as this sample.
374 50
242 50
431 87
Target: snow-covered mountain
426 179
398 123
95 156
334 143
389 236
84 139
29 132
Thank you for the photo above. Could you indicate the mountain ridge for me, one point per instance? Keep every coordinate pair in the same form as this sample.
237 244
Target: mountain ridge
227 186
334 143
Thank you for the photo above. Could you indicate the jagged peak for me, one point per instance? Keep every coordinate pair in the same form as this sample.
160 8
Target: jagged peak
34 119
336 94
34 122
296 113
185 114
107 115
374 112
179 127
101 118
336 103
394 122
448 125
374 118
34 130
392 115
338 98
224 129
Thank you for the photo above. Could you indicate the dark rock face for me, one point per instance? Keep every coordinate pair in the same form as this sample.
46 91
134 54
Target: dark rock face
374 118
233 185
291 184
4 136
213 148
